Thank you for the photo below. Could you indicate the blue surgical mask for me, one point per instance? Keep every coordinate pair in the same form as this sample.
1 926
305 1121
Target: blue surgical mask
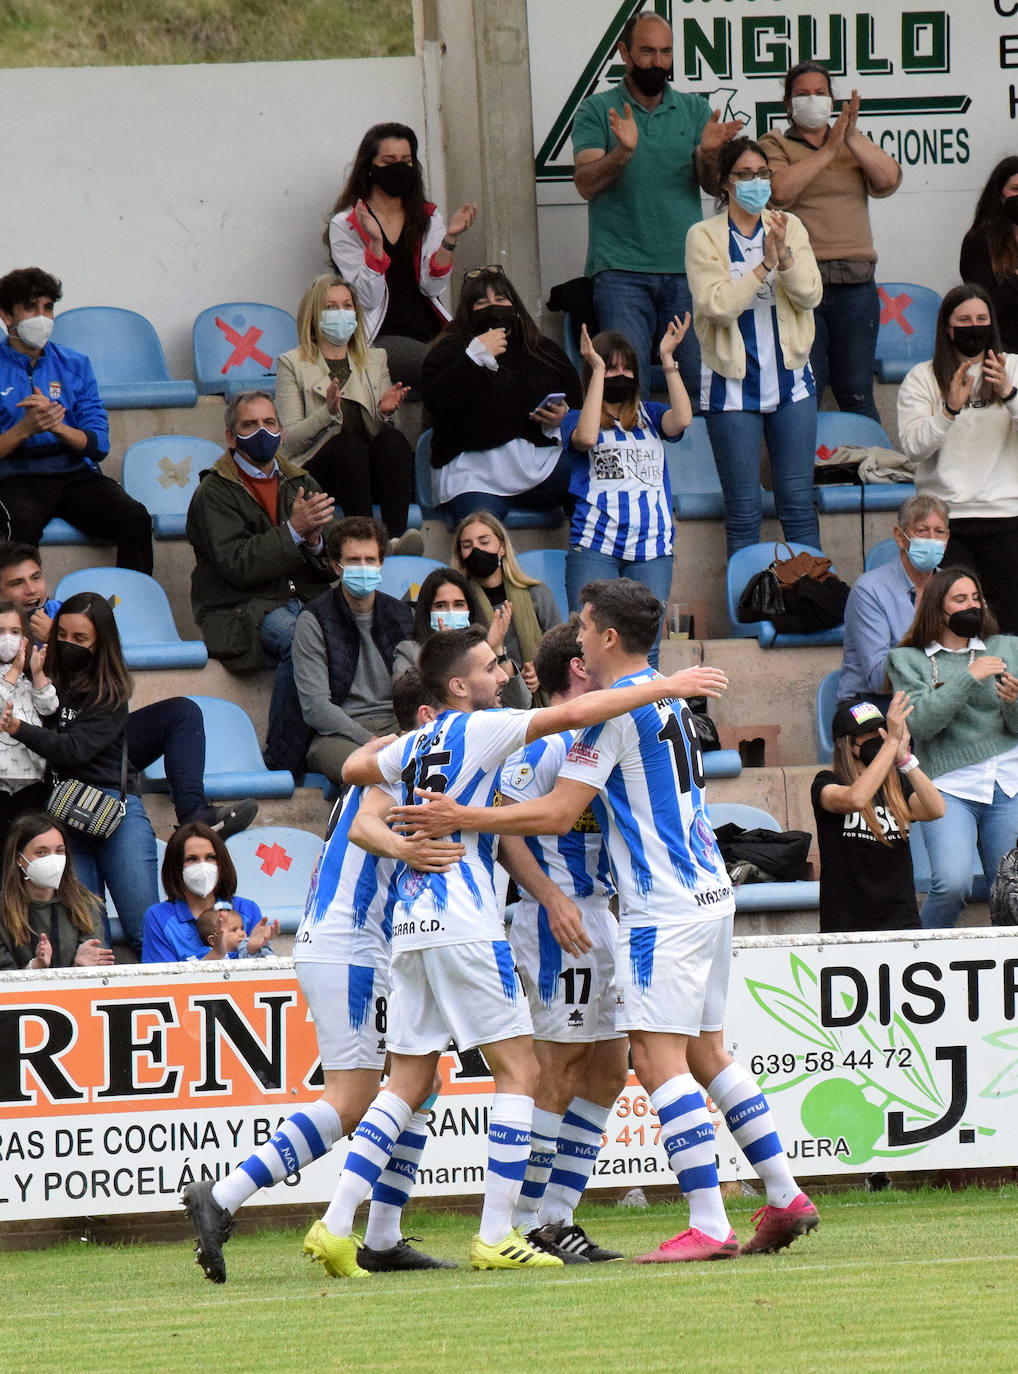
753 195
451 620
925 554
337 326
361 581
259 447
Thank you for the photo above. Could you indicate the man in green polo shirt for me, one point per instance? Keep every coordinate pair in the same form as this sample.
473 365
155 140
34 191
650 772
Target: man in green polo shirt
642 150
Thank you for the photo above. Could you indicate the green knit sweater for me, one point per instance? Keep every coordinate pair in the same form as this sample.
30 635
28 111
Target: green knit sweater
962 721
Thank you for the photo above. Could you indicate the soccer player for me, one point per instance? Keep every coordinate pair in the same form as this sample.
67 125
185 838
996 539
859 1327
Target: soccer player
643 775
452 968
341 955
583 1059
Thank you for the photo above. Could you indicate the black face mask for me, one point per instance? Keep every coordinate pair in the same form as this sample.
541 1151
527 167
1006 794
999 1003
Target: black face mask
618 390
868 751
650 81
967 623
971 339
487 317
394 178
481 563
1010 207
72 658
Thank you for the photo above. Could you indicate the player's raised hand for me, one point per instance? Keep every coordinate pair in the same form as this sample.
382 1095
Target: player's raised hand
700 681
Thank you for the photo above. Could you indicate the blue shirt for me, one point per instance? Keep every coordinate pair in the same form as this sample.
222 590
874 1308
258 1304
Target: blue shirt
61 375
171 932
880 608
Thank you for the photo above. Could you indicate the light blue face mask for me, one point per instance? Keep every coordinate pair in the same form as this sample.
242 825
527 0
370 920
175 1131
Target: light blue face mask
337 325
753 195
925 554
361 581
451 620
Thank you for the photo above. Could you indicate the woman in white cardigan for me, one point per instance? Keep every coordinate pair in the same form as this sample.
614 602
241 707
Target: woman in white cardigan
958 416
337 407
755 284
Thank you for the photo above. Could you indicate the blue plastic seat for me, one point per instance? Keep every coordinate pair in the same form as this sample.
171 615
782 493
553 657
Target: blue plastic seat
696 487
884 552
234 766
274 865
521 517
549 567
746 563
837 427
60 532
798 895
907 329
142 612
827 700
162 473
722 763
402 574
236 346
126 356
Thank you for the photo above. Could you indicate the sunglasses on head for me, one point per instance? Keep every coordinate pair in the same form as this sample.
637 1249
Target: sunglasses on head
492 270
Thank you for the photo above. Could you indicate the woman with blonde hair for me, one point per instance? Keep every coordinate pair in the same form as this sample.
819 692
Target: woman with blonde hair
47 917
521 607
337 407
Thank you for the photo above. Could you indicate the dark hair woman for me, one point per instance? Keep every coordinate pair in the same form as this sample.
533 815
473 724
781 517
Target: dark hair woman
391 244
197 873
960 676
484 382
47 917
958 418
86 743
989 251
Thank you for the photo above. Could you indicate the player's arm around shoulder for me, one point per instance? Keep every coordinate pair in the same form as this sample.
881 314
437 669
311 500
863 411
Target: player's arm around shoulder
369 830
362 767
594 708
553 814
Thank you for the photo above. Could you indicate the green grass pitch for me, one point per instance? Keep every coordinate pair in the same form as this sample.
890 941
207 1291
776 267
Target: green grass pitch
894 1282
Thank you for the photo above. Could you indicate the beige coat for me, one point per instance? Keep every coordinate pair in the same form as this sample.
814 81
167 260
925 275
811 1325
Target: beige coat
719 298
300 400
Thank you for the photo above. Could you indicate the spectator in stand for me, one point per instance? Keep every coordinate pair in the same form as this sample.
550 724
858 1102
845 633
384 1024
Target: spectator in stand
989 251
23 682
484 384
961 677
958 417
221 927
863 805
197 873
448 601
755 285
882 603
343 649
47 918
827 173
86 742
172 729
391 244
521 607
54 432
338 406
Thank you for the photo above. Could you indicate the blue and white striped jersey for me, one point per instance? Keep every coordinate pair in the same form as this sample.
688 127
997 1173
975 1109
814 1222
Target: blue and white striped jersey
623 494
648 771
460 754
577 862
768 383
348 915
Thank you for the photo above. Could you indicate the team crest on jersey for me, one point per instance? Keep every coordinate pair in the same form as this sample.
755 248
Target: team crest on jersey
55 390
702 841
521 776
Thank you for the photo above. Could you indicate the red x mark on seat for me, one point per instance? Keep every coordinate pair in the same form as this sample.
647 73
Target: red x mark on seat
273 856
244 346
893 308
823 453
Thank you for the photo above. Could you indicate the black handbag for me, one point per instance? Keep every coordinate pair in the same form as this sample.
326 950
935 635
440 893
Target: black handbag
706 731
781 854
761 598
88 809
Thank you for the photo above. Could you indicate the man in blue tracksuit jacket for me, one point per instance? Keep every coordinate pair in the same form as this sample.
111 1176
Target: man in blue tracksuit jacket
54 432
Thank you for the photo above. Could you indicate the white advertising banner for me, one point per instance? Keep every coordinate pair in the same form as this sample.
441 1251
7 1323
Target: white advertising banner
118 1086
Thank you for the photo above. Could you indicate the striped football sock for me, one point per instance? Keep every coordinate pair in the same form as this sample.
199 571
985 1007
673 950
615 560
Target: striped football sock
373 1142
509 1123
392 1191
307 1135
750 1122
579 1144
688 1137
543 1138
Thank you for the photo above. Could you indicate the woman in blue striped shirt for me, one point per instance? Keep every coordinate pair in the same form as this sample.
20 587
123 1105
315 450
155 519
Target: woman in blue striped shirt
755 285
622 517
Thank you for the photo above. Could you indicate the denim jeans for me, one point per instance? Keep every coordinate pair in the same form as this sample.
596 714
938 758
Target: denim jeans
791 433
640 305
277 640
126 864
847 320
172 729
587 565
952 842
550 492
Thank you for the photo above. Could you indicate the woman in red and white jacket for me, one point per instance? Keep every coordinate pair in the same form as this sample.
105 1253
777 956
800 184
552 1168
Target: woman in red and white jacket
394 248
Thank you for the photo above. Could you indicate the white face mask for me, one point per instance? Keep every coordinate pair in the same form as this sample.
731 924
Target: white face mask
35 330
811 111
46 871
201 878
9 645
